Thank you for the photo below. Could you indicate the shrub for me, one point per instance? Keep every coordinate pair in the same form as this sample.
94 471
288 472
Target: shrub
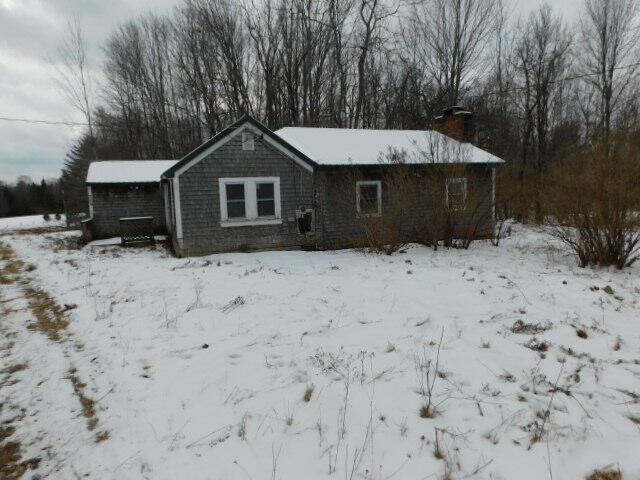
46 217
594 204
431 197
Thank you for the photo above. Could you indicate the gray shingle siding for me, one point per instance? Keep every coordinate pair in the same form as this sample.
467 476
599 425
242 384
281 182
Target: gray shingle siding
202 232
112 202
337 219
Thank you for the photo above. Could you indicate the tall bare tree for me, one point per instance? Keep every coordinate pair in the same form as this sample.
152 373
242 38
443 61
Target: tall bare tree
455 34
73 75
610 36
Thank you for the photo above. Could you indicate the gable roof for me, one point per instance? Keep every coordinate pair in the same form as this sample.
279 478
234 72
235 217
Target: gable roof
338 146
246 119
127 171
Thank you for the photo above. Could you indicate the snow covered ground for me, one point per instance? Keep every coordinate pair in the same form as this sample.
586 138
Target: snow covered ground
28 222
317 365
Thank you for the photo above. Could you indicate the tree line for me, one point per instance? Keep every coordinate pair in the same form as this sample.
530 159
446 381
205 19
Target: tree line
27 197
541 87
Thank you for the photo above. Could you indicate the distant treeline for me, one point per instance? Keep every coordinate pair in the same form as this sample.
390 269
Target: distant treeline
29 198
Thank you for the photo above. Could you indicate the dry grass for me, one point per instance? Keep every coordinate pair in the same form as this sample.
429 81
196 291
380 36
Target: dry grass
12 467
427 412
605 475
10 271
88 404
50 317
18 367
308 393
634 418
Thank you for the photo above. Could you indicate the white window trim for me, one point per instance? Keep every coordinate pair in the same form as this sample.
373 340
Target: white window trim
378 184
250 202
462 180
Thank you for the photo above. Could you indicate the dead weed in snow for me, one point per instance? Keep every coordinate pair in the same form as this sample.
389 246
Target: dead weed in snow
11 269
17 367
88 404
50 317
12 466
605 475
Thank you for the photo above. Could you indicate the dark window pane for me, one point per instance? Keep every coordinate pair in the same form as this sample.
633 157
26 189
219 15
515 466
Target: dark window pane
235 191
265 191
235 209
266 208
369 198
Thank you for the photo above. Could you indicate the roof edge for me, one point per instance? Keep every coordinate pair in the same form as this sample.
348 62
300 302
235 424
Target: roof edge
169 173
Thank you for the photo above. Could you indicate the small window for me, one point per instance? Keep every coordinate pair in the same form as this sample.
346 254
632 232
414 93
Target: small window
235 200
247 141
456 193
369 198
265 198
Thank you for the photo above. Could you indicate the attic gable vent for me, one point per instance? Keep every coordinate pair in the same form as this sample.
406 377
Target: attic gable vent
247 141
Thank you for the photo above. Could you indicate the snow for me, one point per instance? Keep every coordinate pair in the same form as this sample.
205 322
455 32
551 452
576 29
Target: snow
339 146
128 171
29 222
273 320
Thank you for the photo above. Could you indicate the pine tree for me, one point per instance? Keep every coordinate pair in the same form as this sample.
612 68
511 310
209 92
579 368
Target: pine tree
74 177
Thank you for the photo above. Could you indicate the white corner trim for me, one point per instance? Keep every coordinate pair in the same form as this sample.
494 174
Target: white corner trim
176 204
250 201
493 193
90 197
378 184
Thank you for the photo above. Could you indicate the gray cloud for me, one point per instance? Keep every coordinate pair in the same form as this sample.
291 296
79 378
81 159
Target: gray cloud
31 31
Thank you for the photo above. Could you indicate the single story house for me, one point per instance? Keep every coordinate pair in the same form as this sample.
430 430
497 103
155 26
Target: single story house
250 188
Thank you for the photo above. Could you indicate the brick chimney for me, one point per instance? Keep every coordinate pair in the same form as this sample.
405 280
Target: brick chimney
456 122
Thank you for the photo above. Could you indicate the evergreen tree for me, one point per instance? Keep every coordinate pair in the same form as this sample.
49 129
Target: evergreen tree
74 176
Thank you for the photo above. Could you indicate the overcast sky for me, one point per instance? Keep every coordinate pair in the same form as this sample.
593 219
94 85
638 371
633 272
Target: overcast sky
30 32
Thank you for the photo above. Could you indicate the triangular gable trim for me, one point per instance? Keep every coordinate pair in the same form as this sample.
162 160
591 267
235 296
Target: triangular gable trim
227 134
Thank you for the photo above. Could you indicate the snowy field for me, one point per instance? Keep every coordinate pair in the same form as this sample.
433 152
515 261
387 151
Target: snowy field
320 365
29 222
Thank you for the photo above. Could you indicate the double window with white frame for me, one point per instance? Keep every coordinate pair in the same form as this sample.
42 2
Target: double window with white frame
250 201
456 193
369 198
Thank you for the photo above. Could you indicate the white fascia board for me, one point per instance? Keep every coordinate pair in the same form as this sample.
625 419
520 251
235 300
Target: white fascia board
176 206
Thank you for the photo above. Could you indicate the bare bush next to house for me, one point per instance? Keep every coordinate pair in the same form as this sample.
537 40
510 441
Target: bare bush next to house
594 198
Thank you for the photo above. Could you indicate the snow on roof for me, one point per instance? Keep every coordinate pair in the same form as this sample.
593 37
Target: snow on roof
339 146
128 171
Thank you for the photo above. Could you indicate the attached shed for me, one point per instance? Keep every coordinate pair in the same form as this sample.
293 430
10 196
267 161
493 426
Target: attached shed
124 189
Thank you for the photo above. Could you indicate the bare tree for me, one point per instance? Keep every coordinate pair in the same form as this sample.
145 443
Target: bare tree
541 58
371 14
455 34
73 76
610 36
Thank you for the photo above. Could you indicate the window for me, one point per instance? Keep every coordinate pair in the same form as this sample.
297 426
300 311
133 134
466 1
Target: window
265 198
247 141
235 200
249 201
456 195
369 198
